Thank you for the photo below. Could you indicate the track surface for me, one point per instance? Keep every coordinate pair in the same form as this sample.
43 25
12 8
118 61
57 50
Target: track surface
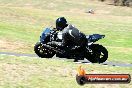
82 61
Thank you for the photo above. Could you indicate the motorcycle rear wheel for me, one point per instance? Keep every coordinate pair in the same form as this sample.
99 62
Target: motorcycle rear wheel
99 54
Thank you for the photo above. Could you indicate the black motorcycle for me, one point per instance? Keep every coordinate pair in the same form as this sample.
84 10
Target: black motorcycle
95 53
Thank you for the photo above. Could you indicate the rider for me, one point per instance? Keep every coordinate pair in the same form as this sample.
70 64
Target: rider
70 34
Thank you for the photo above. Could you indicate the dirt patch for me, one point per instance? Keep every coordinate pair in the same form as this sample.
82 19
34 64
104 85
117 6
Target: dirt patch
13 46
10 45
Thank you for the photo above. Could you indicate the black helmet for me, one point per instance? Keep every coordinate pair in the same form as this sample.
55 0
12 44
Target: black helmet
61 23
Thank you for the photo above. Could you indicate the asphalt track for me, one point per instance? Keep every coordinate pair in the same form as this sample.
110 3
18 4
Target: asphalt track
107 63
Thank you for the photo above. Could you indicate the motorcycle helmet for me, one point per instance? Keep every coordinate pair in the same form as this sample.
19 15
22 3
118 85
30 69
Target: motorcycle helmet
61 23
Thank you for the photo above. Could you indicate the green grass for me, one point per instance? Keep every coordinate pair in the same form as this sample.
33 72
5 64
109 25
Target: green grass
23 21
25 72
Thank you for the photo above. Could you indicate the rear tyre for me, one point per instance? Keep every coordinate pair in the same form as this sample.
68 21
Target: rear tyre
99 54
42 51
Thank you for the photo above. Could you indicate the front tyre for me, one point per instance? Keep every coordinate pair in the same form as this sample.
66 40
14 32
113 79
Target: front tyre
99 54
42 51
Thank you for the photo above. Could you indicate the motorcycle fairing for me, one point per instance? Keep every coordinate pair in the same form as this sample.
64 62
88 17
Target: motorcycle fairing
44 34
94 37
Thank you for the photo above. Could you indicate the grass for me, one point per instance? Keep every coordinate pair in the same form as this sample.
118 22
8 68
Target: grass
25 25
22 21
26 72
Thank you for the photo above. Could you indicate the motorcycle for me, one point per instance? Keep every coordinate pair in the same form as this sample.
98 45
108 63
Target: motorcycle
95 53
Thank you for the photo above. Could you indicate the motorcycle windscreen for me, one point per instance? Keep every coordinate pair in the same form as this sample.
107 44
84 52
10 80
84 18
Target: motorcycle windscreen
44 34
